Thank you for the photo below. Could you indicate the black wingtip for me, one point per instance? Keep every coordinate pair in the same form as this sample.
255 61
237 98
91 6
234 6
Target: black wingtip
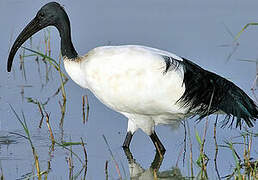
202 85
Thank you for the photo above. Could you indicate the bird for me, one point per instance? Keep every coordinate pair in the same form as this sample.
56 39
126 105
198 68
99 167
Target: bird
147 85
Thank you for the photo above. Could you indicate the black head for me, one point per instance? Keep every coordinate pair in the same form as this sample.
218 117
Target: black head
51 14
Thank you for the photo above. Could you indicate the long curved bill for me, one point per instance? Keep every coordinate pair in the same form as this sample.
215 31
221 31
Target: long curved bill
33 27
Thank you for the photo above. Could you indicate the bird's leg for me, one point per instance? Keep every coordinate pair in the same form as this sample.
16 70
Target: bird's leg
156 163
129 155
127 140
159 146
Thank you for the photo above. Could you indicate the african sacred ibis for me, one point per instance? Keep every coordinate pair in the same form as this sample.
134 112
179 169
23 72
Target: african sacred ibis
147 85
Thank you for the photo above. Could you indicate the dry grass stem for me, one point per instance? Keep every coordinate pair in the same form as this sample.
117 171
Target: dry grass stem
185 136
204 158
113 158
216 147
2 173
22 67
60 87
47 42
86 159
83 110
49 128
41 112
70 163
106 170
36 158
179 155
191 150
70 168
85 116
63 109
63 106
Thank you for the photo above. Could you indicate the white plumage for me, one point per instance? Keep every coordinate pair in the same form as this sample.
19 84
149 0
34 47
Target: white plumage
131 80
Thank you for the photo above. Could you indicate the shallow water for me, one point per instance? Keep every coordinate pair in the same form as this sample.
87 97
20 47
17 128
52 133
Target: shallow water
196 30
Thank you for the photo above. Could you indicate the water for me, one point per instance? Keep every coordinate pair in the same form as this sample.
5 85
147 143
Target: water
196 30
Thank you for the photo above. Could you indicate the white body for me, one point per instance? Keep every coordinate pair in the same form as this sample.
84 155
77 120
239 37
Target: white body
131 80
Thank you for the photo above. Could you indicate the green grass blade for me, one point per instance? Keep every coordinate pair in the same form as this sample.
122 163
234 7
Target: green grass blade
247 60
17 116
244 28
51 60
71 143
198 138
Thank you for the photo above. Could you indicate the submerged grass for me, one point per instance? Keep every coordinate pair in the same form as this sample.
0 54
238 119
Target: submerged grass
63 80
28 137
41 107
203 159
245 165
65 145
113 158
45 57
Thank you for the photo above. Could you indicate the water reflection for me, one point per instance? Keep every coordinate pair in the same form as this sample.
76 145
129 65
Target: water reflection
8 139
138 173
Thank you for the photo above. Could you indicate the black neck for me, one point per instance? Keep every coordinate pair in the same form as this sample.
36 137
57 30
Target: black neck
67 48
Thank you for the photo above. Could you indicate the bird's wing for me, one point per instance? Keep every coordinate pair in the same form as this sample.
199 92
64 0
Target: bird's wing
207 92
171 60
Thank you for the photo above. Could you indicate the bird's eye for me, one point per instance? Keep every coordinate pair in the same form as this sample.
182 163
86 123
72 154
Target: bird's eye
41 14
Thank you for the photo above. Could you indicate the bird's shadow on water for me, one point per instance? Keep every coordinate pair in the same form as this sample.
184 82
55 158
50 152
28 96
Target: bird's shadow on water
136 171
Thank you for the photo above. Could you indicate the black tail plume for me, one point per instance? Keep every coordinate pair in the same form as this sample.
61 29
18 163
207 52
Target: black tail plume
202 85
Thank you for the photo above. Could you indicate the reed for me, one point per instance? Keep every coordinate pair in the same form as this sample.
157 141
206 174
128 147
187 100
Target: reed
63 79
85 116
106 169
216 147
113 158
85 159
50 129
28 137
245 165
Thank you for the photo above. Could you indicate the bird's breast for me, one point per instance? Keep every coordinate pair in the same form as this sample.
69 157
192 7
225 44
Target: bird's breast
75 71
